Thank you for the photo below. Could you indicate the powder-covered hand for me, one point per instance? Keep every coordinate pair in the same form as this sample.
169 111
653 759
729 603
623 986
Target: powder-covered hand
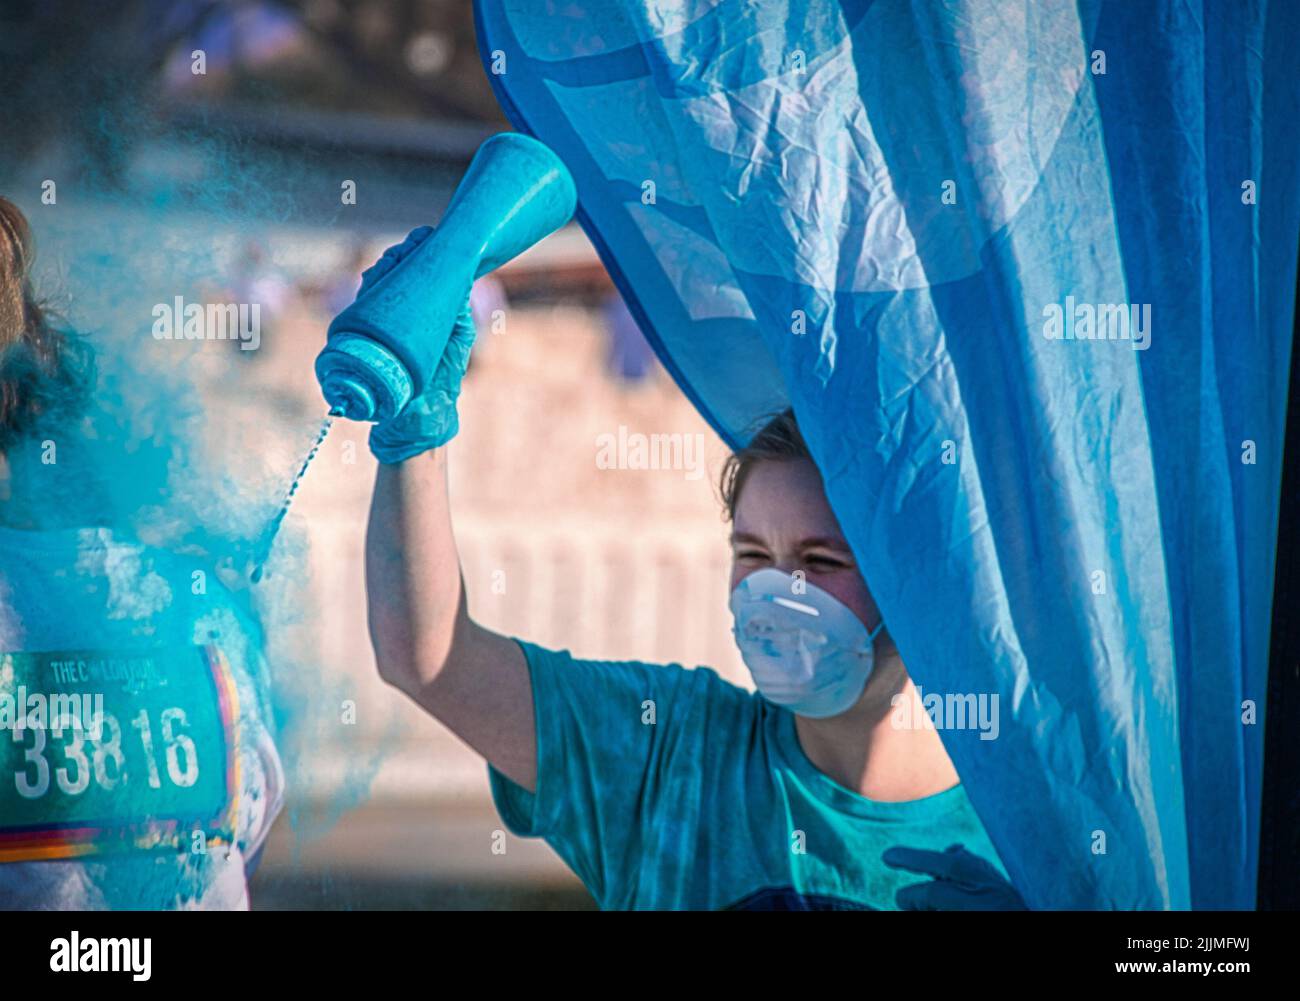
962 881
429 421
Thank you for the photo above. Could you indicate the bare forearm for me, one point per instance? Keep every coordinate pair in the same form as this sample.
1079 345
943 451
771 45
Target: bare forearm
475 681
413 582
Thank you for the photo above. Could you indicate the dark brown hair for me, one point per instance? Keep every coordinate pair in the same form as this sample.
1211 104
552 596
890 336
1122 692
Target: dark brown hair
42 369
778 440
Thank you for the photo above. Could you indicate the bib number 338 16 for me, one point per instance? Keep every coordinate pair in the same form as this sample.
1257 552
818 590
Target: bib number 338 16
110 751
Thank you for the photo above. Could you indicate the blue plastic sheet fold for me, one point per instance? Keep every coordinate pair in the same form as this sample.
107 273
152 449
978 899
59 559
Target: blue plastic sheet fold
1026 273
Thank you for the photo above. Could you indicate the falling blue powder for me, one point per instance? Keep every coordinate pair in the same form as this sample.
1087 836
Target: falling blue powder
146 456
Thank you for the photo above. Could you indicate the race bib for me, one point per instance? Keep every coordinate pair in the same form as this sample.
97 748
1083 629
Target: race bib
105 752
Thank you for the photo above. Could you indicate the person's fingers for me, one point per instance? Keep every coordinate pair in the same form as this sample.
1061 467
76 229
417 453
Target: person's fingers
464 327
967 867
954 863
919 860
943 895
917 897
416 237
393 255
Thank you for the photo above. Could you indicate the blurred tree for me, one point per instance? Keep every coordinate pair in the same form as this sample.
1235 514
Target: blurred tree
71 71
421 54
92 74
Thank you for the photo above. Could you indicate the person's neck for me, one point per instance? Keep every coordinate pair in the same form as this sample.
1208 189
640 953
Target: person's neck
866 751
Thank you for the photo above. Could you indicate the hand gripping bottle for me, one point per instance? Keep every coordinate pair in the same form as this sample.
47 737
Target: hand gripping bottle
383 349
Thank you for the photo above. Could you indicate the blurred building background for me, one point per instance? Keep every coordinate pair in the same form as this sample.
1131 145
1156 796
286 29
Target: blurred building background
610 563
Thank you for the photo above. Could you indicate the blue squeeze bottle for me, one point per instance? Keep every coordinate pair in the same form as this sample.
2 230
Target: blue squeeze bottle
382 350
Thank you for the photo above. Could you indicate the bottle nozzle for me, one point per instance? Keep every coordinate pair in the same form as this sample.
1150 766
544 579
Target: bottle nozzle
363 380
348 397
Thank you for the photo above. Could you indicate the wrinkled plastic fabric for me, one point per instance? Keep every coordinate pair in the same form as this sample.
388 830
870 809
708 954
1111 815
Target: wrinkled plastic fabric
867 210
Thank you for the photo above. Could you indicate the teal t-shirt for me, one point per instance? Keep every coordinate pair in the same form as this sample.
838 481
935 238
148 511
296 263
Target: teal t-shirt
713 805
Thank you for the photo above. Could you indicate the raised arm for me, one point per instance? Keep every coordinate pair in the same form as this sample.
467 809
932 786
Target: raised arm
474 680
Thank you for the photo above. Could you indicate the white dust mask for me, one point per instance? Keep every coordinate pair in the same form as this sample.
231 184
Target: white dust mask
805 648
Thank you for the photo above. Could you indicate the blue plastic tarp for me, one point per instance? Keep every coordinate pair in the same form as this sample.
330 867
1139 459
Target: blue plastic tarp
1026 273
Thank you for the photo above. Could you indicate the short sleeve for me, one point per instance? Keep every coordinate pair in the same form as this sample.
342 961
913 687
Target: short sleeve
606 731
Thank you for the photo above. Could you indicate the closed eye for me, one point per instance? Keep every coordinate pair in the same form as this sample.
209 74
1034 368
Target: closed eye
827 562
